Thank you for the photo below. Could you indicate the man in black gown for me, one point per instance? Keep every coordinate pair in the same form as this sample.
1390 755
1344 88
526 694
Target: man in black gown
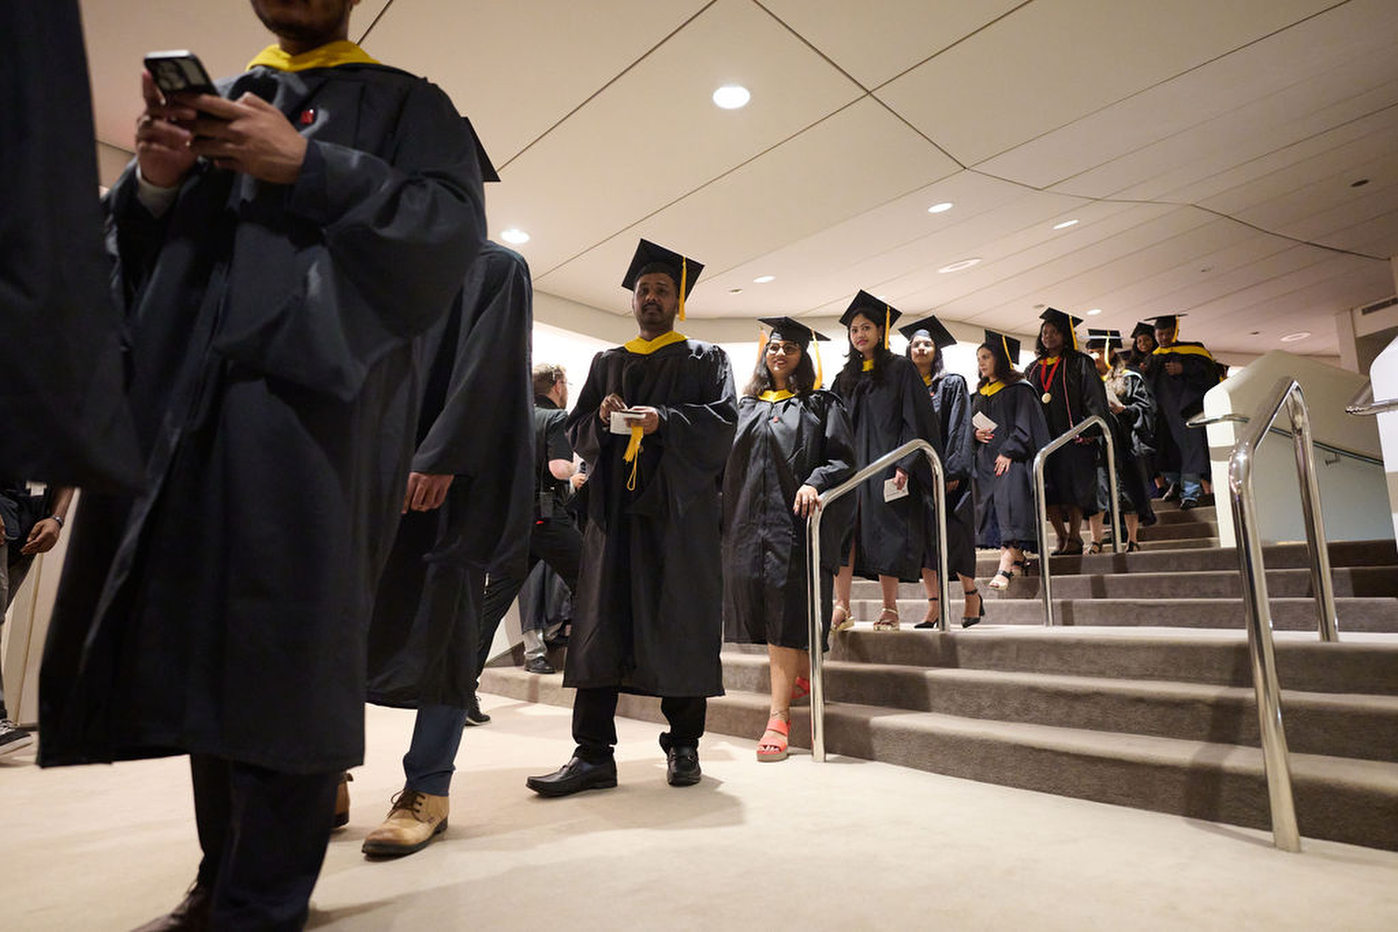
1180 373
647 618
279 248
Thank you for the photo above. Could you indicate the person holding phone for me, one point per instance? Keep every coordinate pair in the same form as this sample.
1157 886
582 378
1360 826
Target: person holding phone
888 406
1010 429
279 249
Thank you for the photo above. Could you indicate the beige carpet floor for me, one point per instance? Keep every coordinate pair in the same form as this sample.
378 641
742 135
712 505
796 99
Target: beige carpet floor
848 845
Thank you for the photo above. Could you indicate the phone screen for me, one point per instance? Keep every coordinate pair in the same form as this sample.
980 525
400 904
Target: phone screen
178 72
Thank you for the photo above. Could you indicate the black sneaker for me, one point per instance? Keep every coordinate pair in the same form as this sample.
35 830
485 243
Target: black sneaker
1187 503
474 715
539 665
13 738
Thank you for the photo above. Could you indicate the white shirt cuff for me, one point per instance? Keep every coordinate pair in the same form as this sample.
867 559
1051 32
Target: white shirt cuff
153 197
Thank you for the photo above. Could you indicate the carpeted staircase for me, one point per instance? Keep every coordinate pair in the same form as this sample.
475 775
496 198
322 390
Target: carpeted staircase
1141 696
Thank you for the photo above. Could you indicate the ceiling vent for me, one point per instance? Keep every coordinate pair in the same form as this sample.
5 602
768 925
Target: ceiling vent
1379 305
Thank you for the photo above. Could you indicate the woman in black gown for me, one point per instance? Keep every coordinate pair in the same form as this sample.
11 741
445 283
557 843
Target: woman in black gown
952 403
793 443
888 406
1069 390
1133 431
1005 455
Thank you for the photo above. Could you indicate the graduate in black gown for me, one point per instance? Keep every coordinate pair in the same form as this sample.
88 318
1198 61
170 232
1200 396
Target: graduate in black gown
793 443
952 403
463 505
276 262
1070 390
1005 456
1133 432
648 613
1179 375
1142 346
888 406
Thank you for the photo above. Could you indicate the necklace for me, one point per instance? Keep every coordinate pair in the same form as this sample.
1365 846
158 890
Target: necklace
1047 396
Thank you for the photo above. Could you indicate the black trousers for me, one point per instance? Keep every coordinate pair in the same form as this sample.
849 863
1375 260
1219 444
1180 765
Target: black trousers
556 541
264 834
594 722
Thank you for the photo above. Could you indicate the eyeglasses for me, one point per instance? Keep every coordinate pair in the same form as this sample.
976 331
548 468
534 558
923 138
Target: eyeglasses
788 349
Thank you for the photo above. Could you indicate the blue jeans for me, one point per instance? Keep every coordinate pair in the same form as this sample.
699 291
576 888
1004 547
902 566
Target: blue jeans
1190 487
431 757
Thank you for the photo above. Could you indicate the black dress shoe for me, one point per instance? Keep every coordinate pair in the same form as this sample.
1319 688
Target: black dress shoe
575 776
1188 503
474 715
195 914
539 665
682 766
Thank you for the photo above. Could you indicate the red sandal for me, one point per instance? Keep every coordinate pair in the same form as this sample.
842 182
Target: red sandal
801 689
782 727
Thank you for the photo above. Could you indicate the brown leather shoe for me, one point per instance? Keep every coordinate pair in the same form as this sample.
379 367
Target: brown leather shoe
192 915
415 819
342 800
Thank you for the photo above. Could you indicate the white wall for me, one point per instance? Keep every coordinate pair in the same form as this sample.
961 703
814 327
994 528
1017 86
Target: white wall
1351 491
1384 377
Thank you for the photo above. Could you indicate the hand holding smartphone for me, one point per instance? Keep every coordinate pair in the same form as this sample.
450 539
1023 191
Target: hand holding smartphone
179 71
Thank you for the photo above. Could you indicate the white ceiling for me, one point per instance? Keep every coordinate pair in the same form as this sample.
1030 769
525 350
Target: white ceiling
1206 148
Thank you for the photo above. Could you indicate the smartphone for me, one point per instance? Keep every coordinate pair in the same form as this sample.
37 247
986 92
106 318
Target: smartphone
179 71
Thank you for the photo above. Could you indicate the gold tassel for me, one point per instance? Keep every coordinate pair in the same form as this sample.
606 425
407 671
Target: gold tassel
886 315
820 373
684 278
761 345
633 455
1004 342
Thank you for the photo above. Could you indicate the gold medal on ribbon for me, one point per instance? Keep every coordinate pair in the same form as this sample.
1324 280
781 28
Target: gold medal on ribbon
1046 397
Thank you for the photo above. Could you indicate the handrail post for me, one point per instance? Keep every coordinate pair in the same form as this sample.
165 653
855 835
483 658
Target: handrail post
1321 580
815 611
1041 509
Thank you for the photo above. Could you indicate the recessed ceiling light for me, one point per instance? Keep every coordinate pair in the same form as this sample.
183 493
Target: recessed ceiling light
732 96
1065 224
1296 337
1360 183
958 266
1094 312
939 208
764 279
735 291
515 237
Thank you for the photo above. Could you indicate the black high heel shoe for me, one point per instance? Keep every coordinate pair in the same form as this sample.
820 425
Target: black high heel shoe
969 620
932 615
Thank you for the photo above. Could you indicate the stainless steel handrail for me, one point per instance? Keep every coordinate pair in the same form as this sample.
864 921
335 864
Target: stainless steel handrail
815 612
1287 392
1041 508
1364 405
1200 420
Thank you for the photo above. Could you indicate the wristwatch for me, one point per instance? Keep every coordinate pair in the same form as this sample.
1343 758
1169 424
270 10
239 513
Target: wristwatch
57 518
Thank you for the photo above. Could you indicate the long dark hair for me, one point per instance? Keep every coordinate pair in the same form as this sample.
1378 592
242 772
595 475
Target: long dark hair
802 378
854 361
1004 370
938 363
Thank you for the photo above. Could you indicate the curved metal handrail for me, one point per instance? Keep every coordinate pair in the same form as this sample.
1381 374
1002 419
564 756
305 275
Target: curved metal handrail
1041 508
1364 405
815 612
1199 420
1287 392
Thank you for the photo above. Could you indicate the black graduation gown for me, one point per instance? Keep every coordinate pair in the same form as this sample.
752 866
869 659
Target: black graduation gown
1178 398
1133 433
779 447
1005 504
1070 475
63 413
887 412
422 642
952 403
647 617
224 610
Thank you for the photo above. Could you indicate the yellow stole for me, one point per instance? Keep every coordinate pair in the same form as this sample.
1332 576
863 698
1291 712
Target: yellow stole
329 55
1186 350
868 365
990 388
777 396
643 347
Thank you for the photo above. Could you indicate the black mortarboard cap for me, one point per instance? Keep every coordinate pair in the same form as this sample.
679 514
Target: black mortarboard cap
1064 322
1166 321
652 258
1110 338
1143 327
877 310
791 330
1003 345
488 172
939 334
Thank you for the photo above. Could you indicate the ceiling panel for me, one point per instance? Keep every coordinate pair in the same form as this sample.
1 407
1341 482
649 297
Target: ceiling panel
829 158
1310 67
654 137
894 35
518 68
1053 63
119 33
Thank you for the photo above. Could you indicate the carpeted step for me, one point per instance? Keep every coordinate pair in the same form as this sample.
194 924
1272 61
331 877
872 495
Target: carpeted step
1288 614
1184 555
1349 725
